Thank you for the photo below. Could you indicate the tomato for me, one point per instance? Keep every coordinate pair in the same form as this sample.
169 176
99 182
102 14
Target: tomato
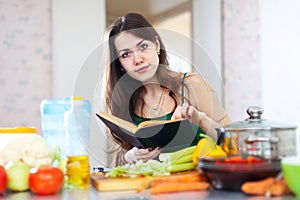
45 180
3 179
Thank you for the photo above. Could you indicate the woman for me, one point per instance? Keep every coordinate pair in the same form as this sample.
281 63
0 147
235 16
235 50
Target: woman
140 86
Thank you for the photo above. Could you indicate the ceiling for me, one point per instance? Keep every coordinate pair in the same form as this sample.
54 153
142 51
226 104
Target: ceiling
151 9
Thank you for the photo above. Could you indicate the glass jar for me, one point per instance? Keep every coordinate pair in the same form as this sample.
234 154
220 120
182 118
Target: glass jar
78 171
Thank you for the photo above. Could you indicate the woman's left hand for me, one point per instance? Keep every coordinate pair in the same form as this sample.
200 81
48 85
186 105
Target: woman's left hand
135 154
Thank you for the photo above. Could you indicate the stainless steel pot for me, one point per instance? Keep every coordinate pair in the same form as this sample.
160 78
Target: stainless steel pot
259 137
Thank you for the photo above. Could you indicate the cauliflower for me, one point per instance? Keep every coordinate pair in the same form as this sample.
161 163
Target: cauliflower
32 150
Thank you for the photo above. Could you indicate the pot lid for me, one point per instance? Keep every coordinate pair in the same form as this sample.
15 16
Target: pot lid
256 122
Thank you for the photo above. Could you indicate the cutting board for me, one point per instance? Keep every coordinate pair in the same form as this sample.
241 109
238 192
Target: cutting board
103 183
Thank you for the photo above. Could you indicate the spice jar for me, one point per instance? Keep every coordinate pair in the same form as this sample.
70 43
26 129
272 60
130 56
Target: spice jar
78 171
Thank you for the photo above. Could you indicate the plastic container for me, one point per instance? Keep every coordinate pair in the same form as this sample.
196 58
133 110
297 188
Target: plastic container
291 172
8 134
52 114
77 127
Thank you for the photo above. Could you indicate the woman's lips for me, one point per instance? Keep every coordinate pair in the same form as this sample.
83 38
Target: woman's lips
142 69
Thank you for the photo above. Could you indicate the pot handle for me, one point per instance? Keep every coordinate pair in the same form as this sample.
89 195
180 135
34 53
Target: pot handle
220 135
254 139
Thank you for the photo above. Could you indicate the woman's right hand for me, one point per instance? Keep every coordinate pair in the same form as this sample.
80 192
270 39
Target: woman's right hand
135 154
186 111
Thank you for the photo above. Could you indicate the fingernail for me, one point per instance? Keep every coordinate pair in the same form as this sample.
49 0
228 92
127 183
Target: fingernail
150 149
159 148
190 116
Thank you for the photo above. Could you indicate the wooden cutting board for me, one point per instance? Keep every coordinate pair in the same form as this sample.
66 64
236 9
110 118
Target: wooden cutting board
103 183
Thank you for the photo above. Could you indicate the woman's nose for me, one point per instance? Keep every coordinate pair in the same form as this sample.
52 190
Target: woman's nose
138 58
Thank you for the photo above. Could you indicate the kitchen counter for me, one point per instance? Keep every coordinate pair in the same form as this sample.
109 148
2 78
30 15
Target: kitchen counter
91 194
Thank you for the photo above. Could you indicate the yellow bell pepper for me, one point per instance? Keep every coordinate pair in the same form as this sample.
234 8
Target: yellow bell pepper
207 147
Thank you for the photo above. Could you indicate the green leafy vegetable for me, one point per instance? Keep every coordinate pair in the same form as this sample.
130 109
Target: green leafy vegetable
172 157
181 167
149 168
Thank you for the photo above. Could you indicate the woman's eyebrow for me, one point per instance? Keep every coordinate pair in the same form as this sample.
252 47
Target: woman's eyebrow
138 44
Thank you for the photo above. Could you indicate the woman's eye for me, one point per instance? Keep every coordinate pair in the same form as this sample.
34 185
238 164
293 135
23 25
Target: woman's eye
144 46
125 54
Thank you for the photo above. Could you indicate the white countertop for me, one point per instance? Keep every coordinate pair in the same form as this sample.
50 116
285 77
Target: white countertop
91 194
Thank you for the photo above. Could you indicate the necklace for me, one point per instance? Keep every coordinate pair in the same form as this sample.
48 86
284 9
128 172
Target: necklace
155 108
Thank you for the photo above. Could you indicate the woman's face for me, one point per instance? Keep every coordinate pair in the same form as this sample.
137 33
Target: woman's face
137 56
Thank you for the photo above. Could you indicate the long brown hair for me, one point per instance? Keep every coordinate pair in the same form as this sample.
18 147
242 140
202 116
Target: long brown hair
122 91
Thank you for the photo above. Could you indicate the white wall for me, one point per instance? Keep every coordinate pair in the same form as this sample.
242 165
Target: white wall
207 56
25 61
77 28
280 61
78 31
179 52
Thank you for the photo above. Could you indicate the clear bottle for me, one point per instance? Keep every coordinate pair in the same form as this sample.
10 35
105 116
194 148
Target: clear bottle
77 127
52 115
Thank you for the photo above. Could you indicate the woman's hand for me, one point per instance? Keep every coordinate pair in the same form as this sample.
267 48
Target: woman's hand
188 112
199 118
136 154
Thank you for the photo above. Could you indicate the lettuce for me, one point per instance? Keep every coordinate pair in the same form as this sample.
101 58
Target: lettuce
140 168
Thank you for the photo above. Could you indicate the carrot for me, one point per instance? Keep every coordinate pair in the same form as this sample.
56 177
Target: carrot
166 187
141 188
258 187
194 177
279 188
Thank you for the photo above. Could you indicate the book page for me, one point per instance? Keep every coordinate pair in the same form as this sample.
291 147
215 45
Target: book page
120 122
156 122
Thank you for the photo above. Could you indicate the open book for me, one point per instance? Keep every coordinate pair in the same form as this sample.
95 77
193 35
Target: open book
171 135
